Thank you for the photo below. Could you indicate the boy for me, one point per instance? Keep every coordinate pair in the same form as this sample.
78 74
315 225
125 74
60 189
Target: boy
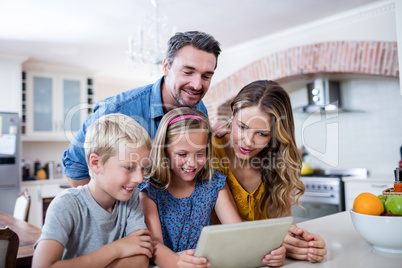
101 224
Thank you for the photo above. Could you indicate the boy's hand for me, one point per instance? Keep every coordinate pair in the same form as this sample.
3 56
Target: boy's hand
136 243
275 258
187 259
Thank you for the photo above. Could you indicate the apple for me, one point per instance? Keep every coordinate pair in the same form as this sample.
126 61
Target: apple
393 205
383 198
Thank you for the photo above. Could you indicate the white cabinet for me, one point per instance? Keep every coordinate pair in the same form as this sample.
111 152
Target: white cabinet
355 187
54 105
41 192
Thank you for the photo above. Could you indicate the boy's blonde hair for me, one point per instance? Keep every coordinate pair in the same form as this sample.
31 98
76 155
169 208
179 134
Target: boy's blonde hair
112 132
185 120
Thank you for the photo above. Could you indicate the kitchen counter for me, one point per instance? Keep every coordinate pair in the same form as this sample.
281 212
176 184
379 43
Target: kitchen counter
345 247
372 178
62 180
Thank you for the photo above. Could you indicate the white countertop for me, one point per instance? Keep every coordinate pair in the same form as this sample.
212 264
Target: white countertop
345 247
387 179
62 180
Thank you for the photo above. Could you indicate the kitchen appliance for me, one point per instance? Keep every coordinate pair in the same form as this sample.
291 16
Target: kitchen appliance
9 161
324 193
323 94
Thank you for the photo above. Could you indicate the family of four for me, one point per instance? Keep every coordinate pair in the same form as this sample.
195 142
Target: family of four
193 178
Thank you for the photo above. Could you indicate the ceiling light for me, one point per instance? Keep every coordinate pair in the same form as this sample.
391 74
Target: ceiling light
149 46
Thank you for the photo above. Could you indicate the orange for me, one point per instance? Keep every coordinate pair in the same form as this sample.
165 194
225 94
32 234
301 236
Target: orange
41 174
367 203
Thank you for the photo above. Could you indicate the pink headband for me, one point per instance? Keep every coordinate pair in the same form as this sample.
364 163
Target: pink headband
185 116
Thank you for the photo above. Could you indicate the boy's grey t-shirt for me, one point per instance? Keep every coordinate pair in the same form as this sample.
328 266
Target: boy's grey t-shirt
81 225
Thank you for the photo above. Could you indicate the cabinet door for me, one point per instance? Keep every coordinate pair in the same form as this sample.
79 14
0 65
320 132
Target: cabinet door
56 105
353 189
73 89
40 103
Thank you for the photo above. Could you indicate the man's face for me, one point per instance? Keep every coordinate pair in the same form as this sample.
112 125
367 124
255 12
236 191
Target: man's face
188 78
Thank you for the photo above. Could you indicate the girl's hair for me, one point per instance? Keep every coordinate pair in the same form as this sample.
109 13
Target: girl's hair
281 161
111 133
179 121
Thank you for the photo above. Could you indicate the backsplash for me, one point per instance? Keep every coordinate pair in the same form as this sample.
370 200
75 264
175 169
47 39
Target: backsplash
368 139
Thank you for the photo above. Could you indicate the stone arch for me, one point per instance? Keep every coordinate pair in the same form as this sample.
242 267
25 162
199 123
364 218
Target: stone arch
352 57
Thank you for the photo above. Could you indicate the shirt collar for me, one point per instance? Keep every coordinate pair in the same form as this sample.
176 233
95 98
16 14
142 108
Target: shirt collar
156 109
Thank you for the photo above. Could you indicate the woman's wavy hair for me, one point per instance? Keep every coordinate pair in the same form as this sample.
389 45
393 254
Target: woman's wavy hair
281 161
185 120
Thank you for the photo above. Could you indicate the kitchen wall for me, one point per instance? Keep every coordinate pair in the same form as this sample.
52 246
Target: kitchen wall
369 138
373 22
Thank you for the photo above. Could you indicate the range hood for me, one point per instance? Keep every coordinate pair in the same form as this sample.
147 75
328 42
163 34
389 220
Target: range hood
324 95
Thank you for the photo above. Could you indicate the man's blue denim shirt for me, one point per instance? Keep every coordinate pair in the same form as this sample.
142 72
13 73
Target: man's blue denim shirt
144 104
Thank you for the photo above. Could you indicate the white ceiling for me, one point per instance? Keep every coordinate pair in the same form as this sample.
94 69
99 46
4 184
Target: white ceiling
94 34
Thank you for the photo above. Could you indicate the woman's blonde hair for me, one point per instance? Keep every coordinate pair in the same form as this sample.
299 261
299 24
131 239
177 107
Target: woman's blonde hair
281 161
179 121
111 133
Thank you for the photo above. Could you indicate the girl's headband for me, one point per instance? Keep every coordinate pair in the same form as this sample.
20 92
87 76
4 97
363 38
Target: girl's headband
185 116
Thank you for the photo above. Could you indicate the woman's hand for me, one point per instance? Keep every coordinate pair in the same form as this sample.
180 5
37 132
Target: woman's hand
219 129
187 259
302 245
275 258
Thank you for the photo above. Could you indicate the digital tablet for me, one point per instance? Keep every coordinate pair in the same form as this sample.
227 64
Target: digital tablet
241 244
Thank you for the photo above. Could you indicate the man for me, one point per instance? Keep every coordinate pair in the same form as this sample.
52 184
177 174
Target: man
190 62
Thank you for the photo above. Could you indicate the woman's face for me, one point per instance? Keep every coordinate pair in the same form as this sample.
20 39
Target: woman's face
251 132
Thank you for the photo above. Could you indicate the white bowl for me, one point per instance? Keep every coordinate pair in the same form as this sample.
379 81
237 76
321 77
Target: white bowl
383 232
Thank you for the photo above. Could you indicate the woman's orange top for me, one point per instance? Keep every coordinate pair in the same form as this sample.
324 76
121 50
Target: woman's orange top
247 203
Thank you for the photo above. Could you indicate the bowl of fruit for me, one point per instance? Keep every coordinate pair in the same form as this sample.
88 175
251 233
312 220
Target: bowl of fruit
378 220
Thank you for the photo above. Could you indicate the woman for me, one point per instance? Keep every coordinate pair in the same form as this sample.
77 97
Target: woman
262 163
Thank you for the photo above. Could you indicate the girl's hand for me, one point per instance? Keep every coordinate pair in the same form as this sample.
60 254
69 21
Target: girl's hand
302 245
275 258
136 243
187 259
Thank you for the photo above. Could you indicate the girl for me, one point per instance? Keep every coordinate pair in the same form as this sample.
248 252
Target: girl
262 163
183 190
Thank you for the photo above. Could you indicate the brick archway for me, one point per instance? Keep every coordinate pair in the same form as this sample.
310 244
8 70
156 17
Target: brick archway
356 57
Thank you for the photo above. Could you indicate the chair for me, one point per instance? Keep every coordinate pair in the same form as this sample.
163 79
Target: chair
22 205
9 243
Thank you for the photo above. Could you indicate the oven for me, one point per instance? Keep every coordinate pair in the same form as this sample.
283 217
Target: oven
324 194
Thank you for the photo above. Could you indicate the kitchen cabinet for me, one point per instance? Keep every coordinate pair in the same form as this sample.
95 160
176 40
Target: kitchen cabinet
357 186
41 192
54 104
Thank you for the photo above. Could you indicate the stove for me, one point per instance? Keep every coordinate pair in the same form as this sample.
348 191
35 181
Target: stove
324 194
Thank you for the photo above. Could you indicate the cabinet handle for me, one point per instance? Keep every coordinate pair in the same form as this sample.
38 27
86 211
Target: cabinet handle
379 185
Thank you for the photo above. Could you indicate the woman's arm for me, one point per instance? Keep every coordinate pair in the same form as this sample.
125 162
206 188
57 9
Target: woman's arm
225 207
164 256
